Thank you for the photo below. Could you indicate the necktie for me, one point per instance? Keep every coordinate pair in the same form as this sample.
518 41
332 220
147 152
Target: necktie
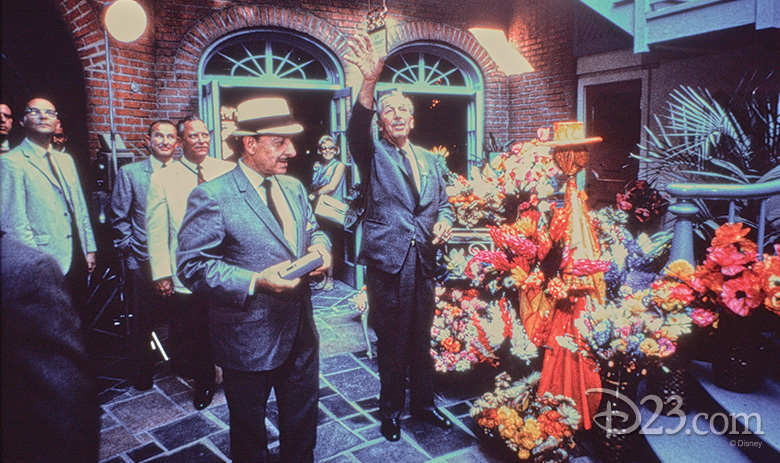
409 171
201 179
53 169
269 200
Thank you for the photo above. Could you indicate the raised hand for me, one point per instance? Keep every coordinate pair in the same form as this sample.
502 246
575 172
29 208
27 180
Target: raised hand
363 55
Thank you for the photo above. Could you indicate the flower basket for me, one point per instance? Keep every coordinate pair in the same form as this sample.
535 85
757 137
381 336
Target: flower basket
616 423
531 426
738 365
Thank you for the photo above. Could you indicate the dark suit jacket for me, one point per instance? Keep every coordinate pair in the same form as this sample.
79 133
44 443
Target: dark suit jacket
49 401
128 211
394 223
227 235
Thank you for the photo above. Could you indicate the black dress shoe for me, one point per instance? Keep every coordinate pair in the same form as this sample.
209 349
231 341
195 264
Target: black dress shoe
391 429
142 379
203 397
435 417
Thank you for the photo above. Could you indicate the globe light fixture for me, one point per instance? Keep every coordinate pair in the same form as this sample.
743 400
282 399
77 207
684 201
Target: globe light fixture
125 20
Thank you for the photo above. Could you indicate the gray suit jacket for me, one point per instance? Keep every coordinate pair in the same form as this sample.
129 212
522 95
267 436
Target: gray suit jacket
395 221
34 208
128 211
227 235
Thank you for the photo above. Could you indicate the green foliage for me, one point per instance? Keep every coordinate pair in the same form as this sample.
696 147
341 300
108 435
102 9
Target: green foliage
706 138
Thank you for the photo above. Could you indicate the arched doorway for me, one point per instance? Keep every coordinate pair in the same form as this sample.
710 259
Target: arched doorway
446 89
276 62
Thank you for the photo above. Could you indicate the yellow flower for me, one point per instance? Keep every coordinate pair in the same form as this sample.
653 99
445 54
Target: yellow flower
519 275
680 269
649 347
523 454
634 306
525 226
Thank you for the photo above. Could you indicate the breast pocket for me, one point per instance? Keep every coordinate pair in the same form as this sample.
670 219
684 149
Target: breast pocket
42 239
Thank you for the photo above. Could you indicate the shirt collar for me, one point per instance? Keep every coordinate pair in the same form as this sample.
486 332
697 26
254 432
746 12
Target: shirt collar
191 165
255 178
157 164
35 148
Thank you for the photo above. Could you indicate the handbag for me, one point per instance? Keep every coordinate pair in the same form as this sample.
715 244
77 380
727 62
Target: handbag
330 208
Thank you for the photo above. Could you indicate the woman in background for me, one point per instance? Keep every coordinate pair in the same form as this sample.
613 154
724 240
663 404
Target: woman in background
328 179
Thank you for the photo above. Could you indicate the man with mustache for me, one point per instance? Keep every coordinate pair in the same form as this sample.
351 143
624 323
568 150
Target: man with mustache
43 205
165 206
239 232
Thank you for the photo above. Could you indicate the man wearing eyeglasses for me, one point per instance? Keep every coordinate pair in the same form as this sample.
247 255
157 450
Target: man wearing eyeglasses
42 201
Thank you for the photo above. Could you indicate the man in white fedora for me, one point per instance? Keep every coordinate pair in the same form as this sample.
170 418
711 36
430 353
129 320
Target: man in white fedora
240 230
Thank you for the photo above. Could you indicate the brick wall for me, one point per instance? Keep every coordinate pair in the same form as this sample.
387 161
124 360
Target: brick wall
163 63
542 32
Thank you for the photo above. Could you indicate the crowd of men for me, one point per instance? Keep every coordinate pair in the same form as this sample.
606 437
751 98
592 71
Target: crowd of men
205 241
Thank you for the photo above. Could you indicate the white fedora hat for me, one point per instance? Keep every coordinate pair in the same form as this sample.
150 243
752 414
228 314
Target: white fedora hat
265 116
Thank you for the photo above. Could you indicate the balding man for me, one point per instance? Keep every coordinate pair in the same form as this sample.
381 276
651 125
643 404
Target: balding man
6 122
42 202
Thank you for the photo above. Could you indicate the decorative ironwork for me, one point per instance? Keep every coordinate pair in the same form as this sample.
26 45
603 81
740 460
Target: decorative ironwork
422 69
265 59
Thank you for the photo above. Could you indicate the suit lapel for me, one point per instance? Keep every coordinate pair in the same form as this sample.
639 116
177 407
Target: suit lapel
42 165
253 200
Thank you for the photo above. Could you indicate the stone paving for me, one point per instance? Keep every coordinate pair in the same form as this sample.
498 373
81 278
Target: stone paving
161 426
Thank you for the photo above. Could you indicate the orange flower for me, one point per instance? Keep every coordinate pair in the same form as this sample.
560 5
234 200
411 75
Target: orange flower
733 233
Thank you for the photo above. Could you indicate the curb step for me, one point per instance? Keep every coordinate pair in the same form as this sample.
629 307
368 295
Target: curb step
764 403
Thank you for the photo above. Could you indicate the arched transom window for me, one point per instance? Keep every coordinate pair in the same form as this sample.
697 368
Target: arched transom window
272 56
422 69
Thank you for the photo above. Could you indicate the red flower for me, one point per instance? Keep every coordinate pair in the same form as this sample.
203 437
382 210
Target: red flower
682 293
704 281
703 317
495 258
642 214
582 267
742 294
728 259
623 203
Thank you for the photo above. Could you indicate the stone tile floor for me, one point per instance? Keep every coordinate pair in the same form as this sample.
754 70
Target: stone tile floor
161 425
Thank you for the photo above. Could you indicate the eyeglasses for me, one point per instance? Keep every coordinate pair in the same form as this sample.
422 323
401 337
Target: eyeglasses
38 112
328 148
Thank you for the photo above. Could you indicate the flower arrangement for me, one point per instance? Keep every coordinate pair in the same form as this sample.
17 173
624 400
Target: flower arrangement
532 426
527 167
624 334
519 248
526 172
635 262
642 203
476 201
732 278
467 329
